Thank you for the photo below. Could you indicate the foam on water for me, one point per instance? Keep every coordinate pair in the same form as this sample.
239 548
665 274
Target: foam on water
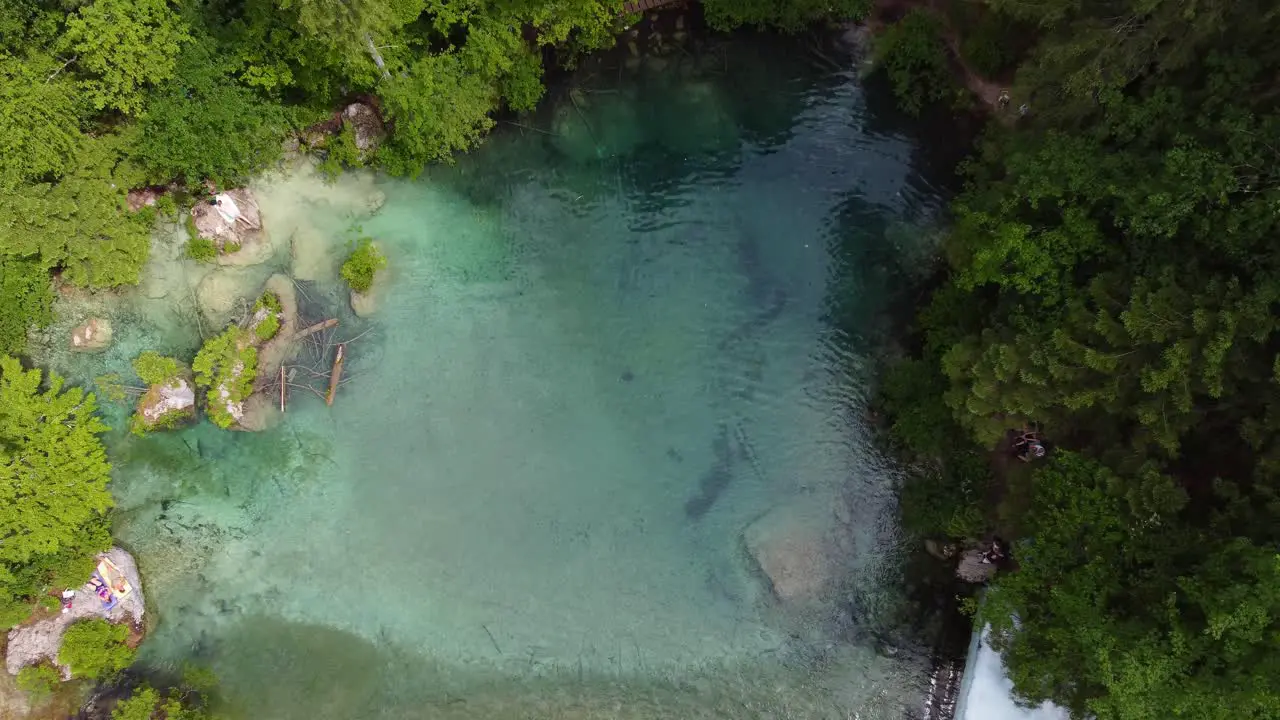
588 373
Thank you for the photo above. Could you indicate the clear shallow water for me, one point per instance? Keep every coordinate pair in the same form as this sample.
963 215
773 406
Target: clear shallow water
604 350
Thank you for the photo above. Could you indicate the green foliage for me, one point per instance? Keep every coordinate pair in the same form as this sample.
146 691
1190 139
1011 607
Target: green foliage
201 249
13 612
156 369
435 110
79 223
123 46
950 475
226 367
363 263
167 206
267 328
1114 276
140 705
914 55
95 649
26 298
53 481
990 42
203 124
790 15
39 682
39 120
340 153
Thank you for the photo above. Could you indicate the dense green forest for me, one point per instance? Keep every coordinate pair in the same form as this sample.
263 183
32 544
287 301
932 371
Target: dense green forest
1113 276
1110 277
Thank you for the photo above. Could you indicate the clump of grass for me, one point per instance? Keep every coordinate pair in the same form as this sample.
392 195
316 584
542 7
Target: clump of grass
365 261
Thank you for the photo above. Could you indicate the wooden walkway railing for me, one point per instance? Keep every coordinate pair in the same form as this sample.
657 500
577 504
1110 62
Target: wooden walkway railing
639 6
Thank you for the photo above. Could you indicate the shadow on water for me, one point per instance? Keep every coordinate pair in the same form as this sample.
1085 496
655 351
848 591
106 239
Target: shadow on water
299 670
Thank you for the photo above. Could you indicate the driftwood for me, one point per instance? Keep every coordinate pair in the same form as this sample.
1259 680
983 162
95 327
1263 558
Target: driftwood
335 376
283 385
318 327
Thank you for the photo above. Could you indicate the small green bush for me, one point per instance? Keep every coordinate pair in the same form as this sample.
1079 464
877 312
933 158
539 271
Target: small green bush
270 301
155 368
166 205
38 682
95 649
269 325
362 265
138 706
914 55
342 153
12 612
201 249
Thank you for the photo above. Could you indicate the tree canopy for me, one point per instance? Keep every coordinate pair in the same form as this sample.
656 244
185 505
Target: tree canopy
53 481
1112 276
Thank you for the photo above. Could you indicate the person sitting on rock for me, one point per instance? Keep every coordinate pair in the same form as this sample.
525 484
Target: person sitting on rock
994 554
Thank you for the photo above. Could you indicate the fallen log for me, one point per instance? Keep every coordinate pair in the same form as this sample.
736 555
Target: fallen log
312 330
283 385
335 376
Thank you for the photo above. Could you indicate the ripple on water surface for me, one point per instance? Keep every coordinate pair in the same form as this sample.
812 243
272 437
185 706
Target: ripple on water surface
599 358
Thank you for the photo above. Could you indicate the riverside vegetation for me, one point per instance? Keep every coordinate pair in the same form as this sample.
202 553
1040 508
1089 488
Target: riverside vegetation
1110 276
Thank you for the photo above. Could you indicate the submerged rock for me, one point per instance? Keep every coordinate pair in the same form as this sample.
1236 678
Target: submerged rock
259 413
168 404
222 292
312 254
38 642
93 335
273 353
364 304
793 546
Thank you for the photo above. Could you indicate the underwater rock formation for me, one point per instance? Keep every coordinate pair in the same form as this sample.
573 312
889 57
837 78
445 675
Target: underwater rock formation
95 334
794 547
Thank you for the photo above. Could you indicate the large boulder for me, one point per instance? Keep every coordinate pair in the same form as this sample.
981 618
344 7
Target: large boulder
366 125
972 568
38 642
795 549
232 221
139 198
93 335
168 404
222 294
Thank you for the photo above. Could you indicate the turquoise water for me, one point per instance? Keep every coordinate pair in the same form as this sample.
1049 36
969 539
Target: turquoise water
615 348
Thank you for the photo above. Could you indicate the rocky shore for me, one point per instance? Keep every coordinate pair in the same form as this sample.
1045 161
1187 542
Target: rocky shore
41 640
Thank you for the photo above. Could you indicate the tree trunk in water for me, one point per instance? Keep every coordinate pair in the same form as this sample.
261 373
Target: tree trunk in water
322 325
377 56
335 376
